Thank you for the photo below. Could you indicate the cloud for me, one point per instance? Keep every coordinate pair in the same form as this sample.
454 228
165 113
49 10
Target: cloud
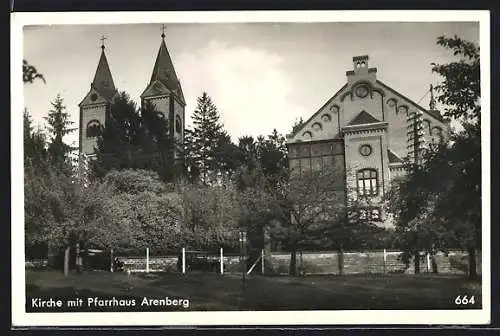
249 86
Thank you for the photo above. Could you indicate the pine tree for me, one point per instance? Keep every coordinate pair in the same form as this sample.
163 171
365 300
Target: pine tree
35 142
58 127
204 142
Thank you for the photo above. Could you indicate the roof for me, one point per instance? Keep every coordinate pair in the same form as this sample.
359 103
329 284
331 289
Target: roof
103 80
291 135
393 158
434 113
164 71
363 118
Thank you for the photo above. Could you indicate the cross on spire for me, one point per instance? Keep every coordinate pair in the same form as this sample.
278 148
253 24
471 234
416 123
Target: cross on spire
162 31
102 41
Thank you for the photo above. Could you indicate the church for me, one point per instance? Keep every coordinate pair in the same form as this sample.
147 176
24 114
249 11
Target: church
365 132
164 91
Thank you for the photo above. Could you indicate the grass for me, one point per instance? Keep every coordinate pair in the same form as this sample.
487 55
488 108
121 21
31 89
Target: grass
214 292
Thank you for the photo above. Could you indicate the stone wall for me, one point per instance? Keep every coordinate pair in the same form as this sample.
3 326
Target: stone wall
312 263
367 262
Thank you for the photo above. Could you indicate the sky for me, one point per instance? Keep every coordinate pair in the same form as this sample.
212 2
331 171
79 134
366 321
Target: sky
260 76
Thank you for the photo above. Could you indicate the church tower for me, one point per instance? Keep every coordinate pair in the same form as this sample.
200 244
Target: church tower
165 93
94 108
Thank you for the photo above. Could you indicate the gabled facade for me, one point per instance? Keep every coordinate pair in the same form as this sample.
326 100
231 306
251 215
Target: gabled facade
365 131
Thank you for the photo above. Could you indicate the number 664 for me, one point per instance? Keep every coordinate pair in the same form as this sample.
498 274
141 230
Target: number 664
463 300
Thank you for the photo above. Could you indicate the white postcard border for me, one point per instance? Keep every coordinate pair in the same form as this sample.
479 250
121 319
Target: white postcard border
354 317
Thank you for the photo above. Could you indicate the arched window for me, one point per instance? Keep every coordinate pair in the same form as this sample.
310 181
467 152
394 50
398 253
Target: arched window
437 134
367 182
178 124
427 126
93 128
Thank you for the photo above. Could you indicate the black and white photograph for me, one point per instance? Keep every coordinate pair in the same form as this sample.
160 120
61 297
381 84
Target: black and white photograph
239 168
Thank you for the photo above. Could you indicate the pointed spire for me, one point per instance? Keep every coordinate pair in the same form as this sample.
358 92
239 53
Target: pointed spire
432 102
103 80
163 70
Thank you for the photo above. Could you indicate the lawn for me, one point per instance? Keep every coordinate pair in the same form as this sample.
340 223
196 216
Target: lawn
215 292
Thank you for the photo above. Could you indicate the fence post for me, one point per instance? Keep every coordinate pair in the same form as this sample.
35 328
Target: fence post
147 259
385 261
221 261
111 267
183 260
262 261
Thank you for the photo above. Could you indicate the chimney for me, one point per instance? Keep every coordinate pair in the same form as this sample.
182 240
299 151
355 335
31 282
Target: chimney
361 70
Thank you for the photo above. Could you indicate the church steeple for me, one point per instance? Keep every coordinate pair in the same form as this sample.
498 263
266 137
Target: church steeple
103 80
164 73
96 105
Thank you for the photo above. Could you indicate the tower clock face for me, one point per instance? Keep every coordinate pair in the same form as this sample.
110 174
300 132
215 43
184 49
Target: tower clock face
93 97
365 150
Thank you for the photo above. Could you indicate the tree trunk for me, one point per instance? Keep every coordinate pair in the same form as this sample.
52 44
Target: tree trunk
417 262
66 260
78 259
472 263
301 264
340 254
52 256
293 262
434 264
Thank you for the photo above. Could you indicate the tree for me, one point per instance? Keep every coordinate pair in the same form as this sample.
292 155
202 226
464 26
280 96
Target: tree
59 123
210 215
35 142
438 205
300 210
263 164
134 138
297 125
273 158
205 141
30 73
460 89
144 207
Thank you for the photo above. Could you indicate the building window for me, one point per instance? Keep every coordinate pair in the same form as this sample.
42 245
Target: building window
367 182
365 150
178 124
437 134
369 214
93 128
427 126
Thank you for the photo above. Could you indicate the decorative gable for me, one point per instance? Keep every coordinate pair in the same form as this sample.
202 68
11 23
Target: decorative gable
93 98
156 88
363 118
